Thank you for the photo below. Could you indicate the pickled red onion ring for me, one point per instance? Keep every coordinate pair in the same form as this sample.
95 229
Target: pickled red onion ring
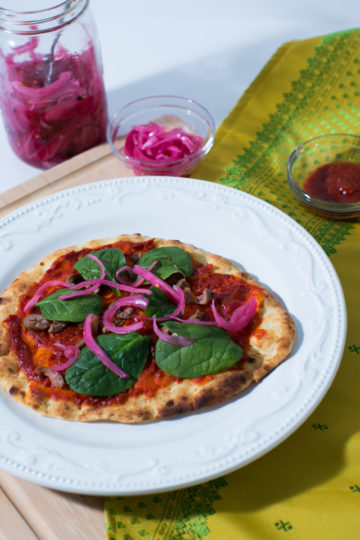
239 319
100 263
138 282
158 282
194 321
232 306
55 283
125 288
152 142
91 282
136 301
121 280
98 351
245 312
179 308
44 91
93 287
71 352
180 300
40 291
172 339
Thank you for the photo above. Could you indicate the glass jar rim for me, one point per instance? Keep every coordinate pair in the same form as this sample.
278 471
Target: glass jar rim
47 19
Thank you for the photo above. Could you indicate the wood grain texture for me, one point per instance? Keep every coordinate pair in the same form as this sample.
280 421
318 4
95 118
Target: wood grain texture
91 166
12 523
28 511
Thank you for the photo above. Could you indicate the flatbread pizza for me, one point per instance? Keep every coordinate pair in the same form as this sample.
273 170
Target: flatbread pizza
135 329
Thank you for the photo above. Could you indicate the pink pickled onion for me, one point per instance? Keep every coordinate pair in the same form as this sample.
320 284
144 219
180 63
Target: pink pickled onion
91 282
71 352
155 280
131 271
239 319
172 339
125 288
194 321
100 263
100 281
152 142
123 281
52 88
40 291
137 301
98 351
50 121
93 287
180 302
232 306
175 293
179 308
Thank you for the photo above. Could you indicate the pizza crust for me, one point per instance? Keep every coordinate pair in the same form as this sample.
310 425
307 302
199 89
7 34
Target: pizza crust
266 350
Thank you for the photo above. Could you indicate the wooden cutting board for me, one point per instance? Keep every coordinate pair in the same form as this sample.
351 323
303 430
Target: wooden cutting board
96 164
28 511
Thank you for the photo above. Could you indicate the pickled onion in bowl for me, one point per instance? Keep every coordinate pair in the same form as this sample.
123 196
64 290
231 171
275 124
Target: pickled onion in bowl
153 142
161 135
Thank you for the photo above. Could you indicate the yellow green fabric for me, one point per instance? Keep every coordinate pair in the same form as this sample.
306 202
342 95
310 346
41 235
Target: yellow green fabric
309 486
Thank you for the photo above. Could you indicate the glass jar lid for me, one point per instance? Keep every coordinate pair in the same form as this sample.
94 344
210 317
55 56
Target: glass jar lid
44 16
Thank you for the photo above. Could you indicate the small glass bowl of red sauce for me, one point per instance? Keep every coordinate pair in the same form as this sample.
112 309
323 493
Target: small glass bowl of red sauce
324 174
161 135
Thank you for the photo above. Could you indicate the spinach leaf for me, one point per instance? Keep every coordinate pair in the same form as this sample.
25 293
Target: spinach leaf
212 352
112 259
171 260
159 304
89 376
71 310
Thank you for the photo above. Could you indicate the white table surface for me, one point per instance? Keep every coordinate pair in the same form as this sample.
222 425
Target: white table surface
209 50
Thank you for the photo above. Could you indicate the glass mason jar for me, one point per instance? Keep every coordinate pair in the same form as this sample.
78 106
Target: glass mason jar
52 93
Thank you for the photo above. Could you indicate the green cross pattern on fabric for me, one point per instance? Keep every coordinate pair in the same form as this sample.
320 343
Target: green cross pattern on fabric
304 113
178 515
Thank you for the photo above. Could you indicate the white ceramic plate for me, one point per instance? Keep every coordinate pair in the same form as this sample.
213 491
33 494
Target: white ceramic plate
104 458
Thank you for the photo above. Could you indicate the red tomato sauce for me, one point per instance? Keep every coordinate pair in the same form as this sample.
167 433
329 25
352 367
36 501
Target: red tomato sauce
336 182
37 348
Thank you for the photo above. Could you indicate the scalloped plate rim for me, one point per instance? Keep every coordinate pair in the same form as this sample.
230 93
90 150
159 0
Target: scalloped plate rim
55 482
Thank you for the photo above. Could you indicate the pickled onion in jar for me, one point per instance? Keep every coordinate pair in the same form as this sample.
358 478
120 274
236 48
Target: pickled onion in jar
49 121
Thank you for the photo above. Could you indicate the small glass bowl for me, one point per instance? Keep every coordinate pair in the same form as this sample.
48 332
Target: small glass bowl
171 112
313 153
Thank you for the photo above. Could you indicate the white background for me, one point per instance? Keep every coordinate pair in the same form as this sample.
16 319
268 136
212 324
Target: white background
209 50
